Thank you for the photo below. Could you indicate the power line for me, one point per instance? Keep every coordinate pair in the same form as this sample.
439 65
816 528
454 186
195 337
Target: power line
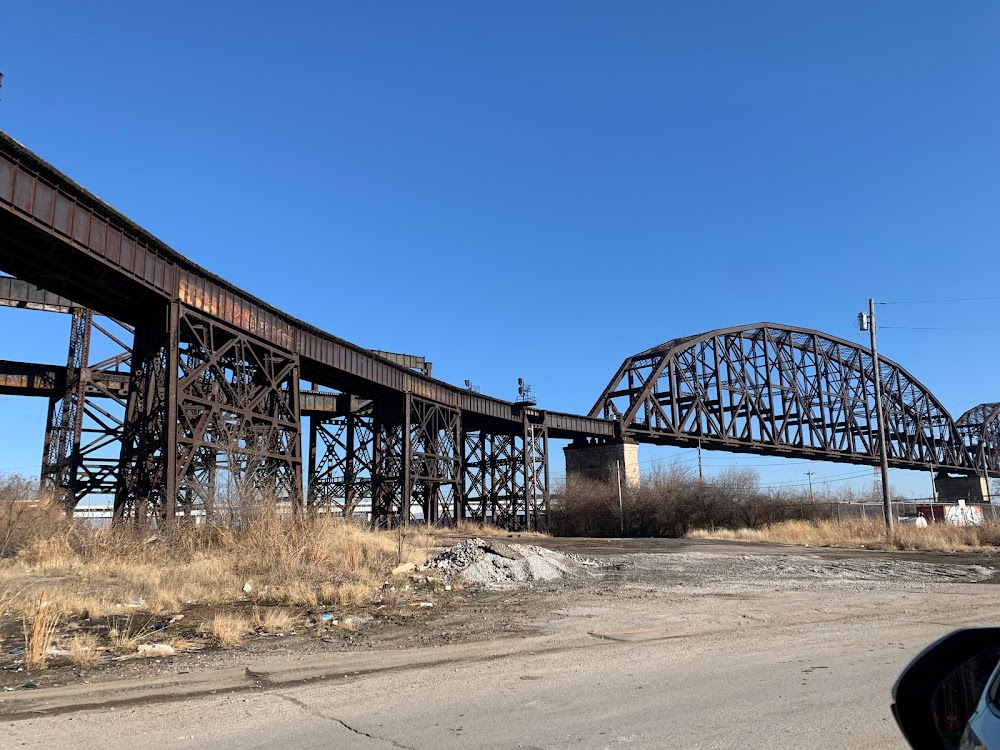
930 328
938 301
829 480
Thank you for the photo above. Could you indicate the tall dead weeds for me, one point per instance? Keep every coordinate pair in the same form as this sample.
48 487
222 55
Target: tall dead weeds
867 533
272 559
39 623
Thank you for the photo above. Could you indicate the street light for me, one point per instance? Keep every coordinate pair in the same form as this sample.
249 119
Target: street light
867 323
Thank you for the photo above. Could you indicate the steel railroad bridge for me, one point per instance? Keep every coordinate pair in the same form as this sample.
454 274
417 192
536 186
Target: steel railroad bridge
203 394
793 392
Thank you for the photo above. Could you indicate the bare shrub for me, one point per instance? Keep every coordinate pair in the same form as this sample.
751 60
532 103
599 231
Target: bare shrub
28 517
673 501
667 503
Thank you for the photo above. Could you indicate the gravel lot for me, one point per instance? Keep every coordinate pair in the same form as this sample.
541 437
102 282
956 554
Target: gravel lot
801 645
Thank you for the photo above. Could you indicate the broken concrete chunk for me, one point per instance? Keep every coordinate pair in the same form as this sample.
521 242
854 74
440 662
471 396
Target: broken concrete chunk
503 550
404 568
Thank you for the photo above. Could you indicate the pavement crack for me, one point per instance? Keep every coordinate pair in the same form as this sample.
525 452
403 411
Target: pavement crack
319 714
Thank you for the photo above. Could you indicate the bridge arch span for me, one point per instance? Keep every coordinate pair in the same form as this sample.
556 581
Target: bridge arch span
980 429
781 390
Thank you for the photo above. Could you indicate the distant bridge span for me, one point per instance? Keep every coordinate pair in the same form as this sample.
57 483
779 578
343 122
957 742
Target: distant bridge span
792 392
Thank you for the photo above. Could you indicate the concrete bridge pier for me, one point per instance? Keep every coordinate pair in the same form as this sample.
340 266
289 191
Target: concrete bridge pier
601 460
951 489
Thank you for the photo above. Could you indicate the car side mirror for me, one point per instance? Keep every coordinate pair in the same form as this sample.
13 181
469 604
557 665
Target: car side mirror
940 690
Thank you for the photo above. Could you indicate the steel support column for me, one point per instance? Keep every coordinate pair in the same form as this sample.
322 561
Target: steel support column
475 470
212 422
144 483
536 475
61 454
341 459
496 466
435 443
237 405
390 466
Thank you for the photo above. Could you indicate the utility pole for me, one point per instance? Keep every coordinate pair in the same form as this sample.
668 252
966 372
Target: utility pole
812 497
868 323
621 507
701 472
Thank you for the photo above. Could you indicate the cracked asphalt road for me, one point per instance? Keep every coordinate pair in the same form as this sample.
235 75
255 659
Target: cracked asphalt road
721 646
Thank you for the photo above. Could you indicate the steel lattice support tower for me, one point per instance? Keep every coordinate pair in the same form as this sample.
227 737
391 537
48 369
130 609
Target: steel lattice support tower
86 421
213 418
342 458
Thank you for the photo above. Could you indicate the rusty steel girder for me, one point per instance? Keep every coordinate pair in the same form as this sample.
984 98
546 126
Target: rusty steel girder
784 391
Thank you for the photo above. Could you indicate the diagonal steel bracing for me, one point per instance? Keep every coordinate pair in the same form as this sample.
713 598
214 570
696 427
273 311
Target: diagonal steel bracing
342 459
213 421
787 391
86 420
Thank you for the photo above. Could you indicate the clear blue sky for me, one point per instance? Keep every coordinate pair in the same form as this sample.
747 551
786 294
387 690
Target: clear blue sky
539 189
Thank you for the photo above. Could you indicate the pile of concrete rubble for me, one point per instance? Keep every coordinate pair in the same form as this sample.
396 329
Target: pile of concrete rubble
495 564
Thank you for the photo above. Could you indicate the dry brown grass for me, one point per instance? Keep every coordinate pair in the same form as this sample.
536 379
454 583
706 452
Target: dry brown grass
299 562
125 633
228 629
39 623
273 619
868 533
84 650
467 528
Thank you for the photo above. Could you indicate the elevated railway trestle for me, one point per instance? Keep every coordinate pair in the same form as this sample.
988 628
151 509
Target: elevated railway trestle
206 400
237 433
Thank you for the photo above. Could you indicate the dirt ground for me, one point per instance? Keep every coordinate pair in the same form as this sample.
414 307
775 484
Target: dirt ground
630 589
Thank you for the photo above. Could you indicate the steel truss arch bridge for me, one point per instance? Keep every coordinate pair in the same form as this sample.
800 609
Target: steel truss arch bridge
792 392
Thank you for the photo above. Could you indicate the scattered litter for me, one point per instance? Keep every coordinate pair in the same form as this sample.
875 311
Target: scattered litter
355 620
155 649
175 618
404 568
18 650
31 686
326 616
135 603
247 588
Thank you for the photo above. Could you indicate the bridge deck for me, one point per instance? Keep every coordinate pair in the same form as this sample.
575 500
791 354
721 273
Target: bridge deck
62 238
